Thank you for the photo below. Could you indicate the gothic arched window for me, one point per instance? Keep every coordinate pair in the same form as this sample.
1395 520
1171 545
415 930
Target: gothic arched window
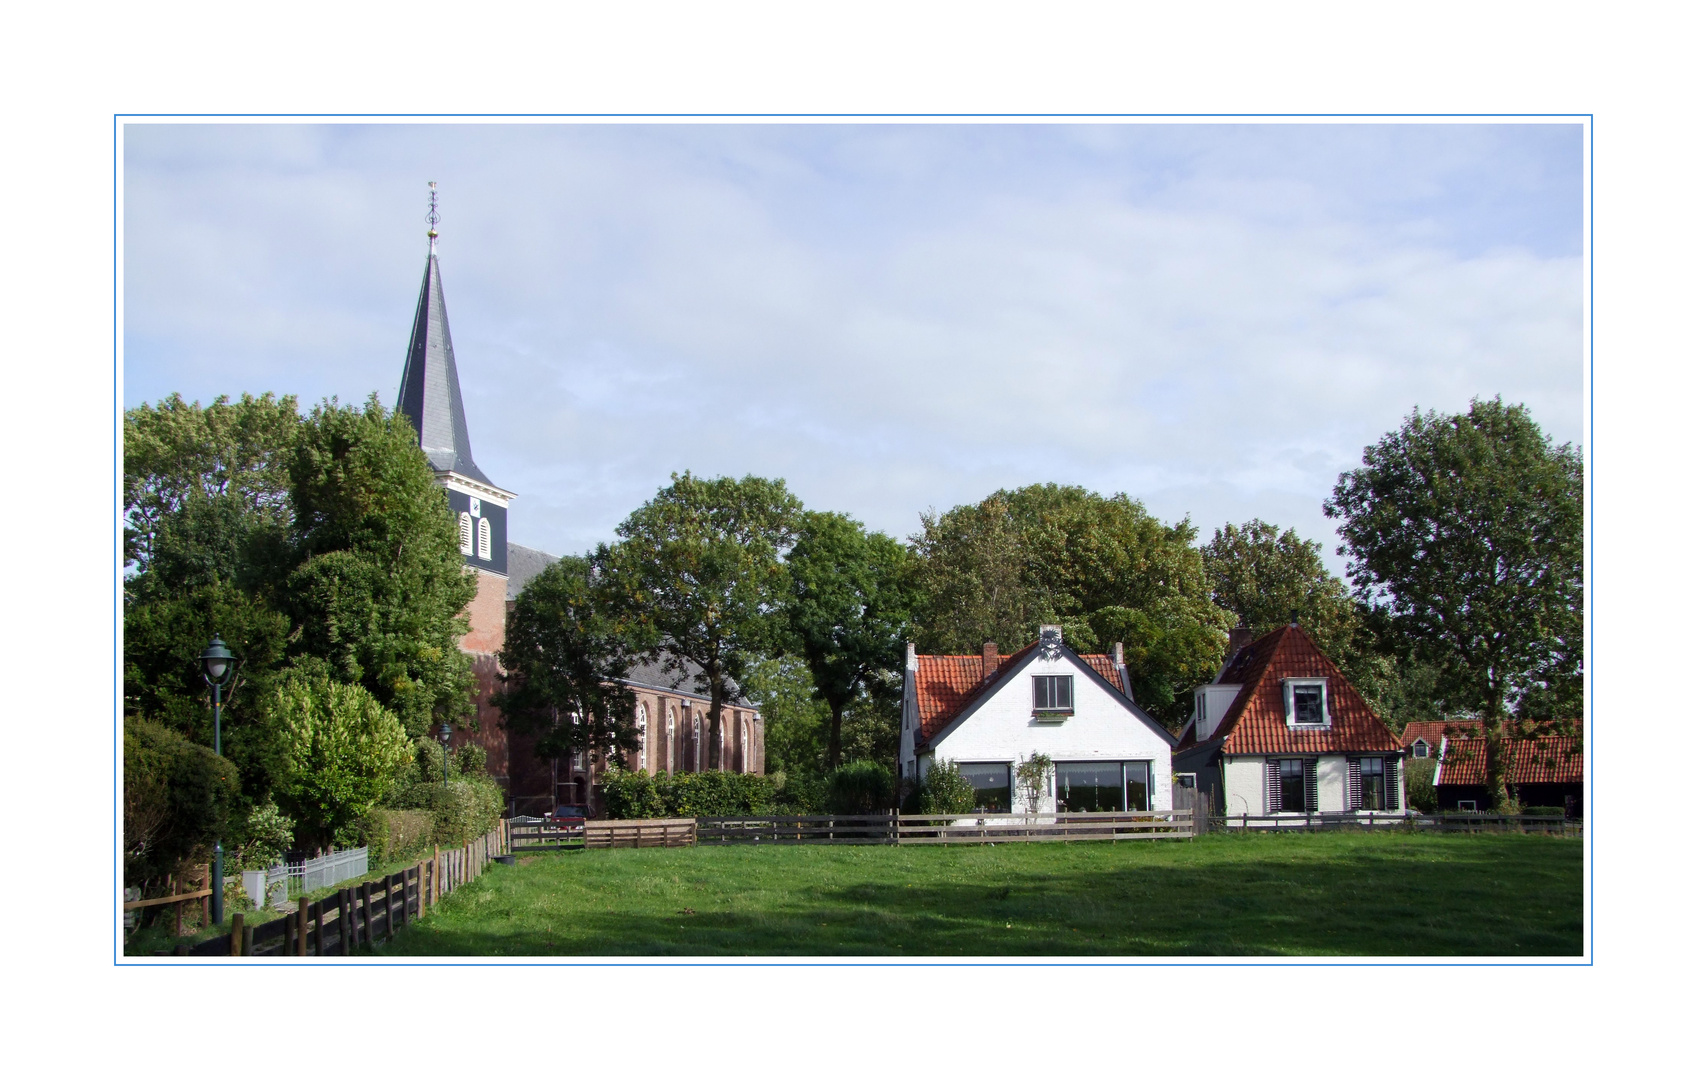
670 740
640 722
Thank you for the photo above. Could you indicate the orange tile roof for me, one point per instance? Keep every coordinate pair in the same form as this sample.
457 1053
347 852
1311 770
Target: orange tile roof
1256 721
1548 759
947 684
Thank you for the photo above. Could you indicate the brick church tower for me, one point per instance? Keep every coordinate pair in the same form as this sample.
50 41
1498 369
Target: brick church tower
431 397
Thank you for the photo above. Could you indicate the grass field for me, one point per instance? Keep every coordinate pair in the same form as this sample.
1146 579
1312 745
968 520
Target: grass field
1324 894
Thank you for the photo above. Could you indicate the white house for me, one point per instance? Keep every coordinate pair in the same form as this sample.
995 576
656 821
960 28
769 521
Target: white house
1282 732
989 713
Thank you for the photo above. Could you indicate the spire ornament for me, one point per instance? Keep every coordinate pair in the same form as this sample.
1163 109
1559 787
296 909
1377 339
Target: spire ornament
433 216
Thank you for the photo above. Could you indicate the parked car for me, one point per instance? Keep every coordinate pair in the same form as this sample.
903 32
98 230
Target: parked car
571 819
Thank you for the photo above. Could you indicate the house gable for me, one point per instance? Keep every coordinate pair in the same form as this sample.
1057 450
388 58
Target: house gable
1256 722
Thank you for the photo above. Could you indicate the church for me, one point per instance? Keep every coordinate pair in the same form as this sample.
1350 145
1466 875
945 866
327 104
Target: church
677 735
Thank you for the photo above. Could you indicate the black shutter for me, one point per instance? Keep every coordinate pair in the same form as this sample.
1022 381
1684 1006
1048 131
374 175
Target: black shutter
1354 783
1271 796
1310 784
1390 767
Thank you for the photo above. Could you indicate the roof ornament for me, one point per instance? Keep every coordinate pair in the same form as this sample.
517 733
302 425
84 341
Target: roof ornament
1049 637
432 217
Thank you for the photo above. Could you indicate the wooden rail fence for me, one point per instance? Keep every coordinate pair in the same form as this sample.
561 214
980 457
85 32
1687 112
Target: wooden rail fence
946 829
366 913
643 832
1368 822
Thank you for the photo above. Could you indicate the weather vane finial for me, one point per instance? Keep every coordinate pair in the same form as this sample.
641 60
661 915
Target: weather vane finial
433 214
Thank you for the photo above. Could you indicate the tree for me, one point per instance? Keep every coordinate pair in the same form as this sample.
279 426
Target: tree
1466 532
850 601
698 573
1102 567
344 750
206 510
178 799
564 652
796 720
1269 578
378 586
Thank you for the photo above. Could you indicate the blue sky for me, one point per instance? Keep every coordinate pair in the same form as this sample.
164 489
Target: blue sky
1215 319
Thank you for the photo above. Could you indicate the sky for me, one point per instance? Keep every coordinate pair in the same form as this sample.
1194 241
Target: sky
1215 319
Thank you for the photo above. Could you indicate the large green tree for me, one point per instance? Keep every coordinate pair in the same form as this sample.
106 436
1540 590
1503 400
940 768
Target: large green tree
206 510
344 750
1102 567
1466 532
378 587
850 603
565 651
698 574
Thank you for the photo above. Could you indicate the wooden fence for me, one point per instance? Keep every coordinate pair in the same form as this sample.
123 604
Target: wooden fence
643 832
542 834
1372 821
366 913
946 829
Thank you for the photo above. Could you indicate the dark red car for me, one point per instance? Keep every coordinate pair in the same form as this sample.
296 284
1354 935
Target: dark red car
567 819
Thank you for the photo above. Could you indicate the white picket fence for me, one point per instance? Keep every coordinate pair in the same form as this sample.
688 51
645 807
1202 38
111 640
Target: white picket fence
283 881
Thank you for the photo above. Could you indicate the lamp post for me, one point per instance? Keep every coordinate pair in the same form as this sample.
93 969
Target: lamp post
444 739
218 667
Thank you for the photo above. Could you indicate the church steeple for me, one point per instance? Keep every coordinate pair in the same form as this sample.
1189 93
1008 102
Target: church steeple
430 395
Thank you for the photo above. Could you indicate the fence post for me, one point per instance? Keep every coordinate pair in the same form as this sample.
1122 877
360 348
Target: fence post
420 892
248 941
237 934
302 926
438 884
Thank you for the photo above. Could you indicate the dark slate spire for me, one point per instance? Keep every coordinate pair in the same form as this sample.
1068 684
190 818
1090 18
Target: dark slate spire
430 395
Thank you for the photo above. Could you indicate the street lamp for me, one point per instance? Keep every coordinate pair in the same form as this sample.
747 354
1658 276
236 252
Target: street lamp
444 738
218 666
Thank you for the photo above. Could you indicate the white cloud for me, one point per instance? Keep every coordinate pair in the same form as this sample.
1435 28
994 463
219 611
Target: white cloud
891 318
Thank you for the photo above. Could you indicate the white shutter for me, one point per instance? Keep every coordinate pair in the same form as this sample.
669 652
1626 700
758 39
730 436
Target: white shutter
465 526
485 539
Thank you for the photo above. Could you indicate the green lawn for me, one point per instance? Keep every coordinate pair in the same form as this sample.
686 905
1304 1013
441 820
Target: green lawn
1326 894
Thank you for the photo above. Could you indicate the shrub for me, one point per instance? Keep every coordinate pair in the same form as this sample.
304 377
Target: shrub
716 794
469 760
860 787
266 836
631 795
461 810
1419 786
177 797
945 791
394 835
800 793
1544 811
344 752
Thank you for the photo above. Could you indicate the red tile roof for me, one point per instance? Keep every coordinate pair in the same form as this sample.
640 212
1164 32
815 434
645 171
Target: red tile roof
947 684
1548 759
1256 721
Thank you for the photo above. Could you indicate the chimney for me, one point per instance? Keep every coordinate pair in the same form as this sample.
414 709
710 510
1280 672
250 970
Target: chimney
1119 654
991 658
1237 638
912 659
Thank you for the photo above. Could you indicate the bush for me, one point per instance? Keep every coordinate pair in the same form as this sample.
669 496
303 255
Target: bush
945 791
177 798
344 752
1419 786
395 835
800 793
461 810
1544 811
631 795
861 787
267 835
709 794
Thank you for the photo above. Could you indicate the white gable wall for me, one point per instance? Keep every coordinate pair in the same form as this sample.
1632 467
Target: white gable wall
1100 729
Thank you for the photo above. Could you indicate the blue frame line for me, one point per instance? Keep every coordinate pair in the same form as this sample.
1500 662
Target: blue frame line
118 627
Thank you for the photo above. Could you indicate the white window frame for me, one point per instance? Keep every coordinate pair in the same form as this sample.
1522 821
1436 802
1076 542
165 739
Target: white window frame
485 531
1037 683
1423 744
1289 686
640 721
465 530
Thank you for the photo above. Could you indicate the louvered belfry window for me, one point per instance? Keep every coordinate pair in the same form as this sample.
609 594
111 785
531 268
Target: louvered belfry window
485 539
465 526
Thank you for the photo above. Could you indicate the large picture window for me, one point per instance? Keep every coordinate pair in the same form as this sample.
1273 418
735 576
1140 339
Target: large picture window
1102 786
991 785
1052 693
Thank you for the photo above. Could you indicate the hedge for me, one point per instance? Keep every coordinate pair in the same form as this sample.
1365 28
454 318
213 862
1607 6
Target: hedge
395 835
461 810
708 794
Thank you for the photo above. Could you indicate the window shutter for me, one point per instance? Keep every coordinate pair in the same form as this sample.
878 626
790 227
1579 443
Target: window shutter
1353 783
1272 795
465 526
485 539
1310 785
1390 773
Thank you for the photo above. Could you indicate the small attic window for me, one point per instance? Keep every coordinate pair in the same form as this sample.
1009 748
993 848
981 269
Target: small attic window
1052 693
1306 702
1419 748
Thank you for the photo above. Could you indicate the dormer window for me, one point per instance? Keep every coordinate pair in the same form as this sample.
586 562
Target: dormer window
1052 694
1419 748
1306 702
